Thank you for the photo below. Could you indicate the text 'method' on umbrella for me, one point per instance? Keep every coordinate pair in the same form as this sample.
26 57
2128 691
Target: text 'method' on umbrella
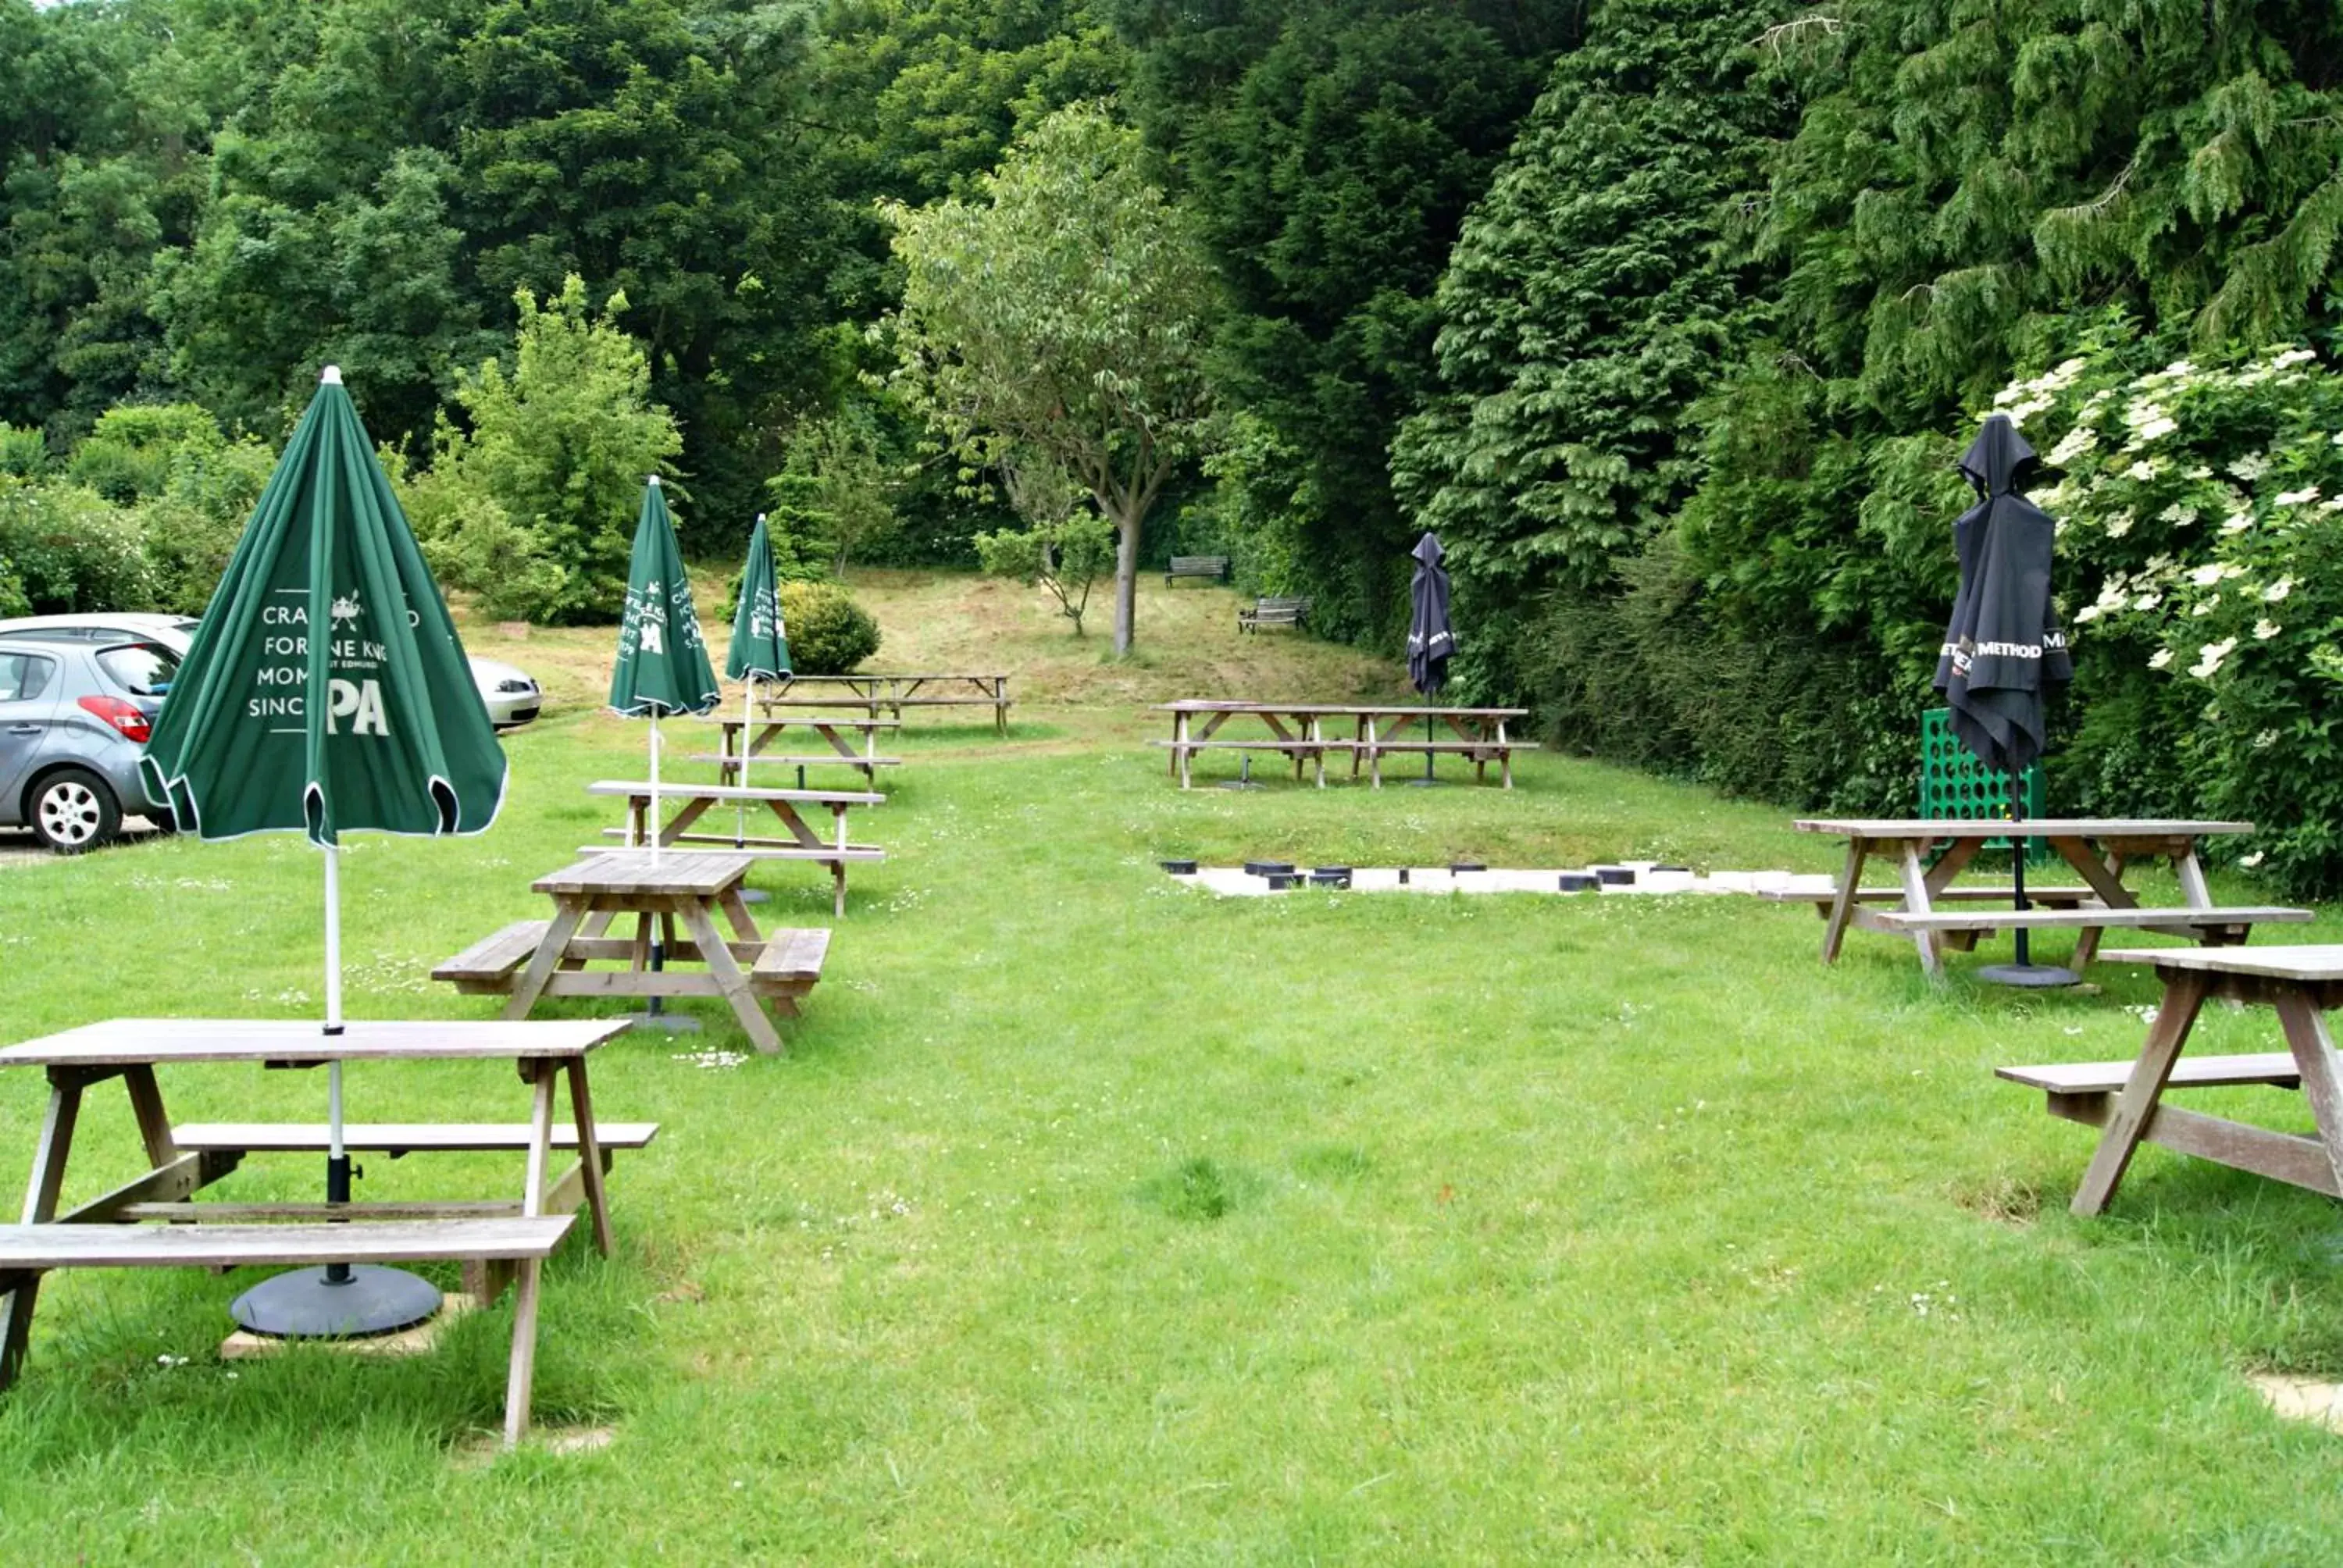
2004 648
327 693
1431 640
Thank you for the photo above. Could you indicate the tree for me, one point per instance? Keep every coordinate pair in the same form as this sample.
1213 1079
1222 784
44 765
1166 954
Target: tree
1330 150
1064 314
536 502
848 496
1591 297
1065 548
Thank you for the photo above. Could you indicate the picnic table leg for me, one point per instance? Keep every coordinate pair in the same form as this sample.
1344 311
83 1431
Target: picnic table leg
154 1122
2322 1074
40 1208
1843 907
1317 739
1505 756
729 979
1374 757
2105 875
2184 995
589 1154
735 910
522 1371
1916 900
550 953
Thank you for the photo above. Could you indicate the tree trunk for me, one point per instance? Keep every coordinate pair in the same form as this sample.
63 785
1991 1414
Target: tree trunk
1126 581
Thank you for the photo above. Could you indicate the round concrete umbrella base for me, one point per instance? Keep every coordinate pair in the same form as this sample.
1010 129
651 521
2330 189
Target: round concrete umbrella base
2030 977
664 1022
312 1303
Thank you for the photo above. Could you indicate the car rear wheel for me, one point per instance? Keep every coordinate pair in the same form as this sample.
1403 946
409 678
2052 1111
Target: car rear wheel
74 811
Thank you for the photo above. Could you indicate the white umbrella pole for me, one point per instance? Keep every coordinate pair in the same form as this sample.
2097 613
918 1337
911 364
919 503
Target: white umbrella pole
655 792
740 807
337 1159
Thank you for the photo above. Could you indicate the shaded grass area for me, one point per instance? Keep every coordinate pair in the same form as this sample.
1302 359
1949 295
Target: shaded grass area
1094 1219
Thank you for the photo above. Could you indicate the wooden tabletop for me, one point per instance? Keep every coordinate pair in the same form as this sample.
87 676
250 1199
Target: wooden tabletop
893 675
2031 828
702 873
2307 962
133 1041
685 790
1206 705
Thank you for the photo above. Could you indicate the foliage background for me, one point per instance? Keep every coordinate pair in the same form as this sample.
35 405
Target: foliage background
1666 313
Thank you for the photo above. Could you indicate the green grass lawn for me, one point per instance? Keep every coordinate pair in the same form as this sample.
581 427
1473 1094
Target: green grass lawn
1091 1219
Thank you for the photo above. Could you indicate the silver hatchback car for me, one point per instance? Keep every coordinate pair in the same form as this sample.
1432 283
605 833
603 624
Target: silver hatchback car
74 718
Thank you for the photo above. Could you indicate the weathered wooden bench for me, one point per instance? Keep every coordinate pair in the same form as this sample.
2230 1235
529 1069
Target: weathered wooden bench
29 1251
783 969
1275 611
1964 941
2213 927
2086 1092
1211 568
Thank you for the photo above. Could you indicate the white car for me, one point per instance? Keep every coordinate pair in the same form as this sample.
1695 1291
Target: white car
512 698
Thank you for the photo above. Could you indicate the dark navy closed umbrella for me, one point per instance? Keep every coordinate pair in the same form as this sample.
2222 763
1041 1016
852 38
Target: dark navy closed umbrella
2004 650
1431 640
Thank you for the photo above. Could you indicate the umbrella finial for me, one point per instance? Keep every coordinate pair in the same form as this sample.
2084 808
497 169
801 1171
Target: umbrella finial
760 517
654 481
332 378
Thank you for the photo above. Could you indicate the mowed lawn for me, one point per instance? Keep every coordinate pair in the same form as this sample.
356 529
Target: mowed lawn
1094 1220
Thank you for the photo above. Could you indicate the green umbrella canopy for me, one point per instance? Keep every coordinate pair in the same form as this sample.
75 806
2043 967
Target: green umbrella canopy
761 643
662 666
325 691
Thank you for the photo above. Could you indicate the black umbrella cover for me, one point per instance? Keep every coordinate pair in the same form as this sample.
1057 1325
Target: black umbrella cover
1430 638
2004 647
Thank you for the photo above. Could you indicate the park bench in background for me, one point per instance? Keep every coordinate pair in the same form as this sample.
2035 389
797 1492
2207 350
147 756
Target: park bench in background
1285 612
1211 568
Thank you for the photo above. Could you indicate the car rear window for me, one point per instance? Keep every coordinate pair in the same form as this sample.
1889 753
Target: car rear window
140 669
23 676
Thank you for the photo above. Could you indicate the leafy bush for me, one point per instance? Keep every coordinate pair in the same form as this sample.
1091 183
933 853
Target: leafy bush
24 453
129 455
1066 556
829 633
534 506
69 551
2202 545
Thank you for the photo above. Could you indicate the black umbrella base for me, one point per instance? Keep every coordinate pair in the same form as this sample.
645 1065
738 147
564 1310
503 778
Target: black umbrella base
2030 976
306 1305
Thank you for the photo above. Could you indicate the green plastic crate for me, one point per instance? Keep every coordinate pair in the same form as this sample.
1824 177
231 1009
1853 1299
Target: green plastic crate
1954 784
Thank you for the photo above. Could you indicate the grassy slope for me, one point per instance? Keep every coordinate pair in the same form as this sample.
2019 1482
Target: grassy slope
1093 1220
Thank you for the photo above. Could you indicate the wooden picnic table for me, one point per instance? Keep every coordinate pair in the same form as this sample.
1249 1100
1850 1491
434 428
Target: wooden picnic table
892 693
837 731
696 800
535 958
1298 731
500 1242
2099 850
2126 1098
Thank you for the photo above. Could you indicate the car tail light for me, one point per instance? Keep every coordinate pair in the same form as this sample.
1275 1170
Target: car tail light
126 717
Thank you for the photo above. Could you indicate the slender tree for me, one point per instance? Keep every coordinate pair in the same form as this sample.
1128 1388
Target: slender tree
1064 312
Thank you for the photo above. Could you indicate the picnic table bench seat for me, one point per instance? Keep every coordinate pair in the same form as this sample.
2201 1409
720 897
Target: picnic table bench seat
2186 921
767 759
502 1242
1211 568
857 854
399 1138
1824 897
1273 611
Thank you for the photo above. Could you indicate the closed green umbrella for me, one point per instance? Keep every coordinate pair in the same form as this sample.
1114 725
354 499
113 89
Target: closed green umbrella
761 643
327 693
662 666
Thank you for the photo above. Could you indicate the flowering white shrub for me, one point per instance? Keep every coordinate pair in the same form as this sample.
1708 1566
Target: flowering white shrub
2200 512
